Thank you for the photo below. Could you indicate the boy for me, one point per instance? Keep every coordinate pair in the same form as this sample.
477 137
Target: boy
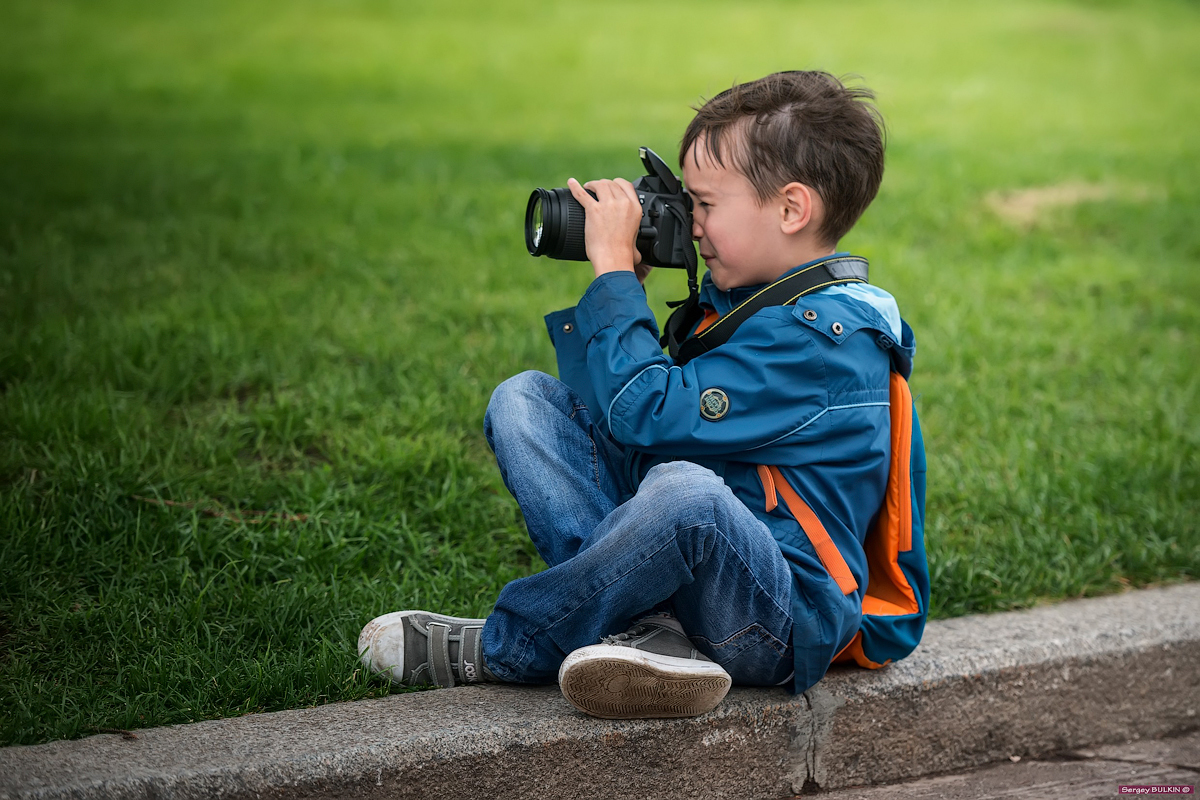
659 494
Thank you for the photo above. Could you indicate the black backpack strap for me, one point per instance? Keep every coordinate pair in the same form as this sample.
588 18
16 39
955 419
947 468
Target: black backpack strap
831 271
683 320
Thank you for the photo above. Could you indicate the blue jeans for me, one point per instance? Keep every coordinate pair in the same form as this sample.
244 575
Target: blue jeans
682 542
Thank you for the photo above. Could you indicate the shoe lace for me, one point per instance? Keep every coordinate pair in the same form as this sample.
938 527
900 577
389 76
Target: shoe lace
632 633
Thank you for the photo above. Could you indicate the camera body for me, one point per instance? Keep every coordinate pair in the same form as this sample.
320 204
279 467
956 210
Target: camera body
554 220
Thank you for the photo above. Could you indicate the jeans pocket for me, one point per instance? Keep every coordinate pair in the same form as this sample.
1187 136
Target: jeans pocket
753 655
753 635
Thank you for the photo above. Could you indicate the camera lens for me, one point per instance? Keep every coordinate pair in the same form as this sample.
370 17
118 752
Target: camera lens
554 225
537 221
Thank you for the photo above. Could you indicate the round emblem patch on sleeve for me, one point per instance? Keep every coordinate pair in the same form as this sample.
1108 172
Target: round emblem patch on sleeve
714 404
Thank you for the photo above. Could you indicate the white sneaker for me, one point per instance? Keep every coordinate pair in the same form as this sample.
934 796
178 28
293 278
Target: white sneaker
419 648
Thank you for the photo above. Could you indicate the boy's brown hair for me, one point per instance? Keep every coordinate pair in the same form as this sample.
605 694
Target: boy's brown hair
798 126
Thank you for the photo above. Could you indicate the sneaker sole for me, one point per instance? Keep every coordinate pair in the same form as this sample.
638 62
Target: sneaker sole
381 650
623 683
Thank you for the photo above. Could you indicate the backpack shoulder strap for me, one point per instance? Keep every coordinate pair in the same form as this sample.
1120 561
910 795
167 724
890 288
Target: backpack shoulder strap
830 271
774 484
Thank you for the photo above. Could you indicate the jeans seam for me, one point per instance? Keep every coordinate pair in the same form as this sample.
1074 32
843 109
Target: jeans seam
575 409
753 577
519 656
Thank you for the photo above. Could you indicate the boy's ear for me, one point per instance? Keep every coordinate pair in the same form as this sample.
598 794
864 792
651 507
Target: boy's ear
801 207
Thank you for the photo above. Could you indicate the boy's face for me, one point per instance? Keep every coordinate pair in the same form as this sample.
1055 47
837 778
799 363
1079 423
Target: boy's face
739 238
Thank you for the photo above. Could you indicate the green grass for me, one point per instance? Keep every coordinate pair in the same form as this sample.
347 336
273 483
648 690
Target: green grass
267 257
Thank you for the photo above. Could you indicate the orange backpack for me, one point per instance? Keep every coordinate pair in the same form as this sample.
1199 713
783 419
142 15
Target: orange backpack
896 602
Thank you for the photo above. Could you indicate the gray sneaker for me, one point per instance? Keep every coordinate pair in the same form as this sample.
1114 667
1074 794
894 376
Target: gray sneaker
651 670
418 648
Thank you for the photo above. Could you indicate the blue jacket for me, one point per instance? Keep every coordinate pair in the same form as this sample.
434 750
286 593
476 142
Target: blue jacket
801 397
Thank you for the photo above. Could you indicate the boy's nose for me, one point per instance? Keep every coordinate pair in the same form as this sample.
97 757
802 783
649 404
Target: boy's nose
697 231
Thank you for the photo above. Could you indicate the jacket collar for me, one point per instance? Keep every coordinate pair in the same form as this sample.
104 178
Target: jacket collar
723 301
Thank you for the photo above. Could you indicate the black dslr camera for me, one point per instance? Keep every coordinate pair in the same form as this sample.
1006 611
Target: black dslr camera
554 220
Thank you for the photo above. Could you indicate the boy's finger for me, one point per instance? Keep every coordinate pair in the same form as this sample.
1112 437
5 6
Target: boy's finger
627 189
580 193
602 188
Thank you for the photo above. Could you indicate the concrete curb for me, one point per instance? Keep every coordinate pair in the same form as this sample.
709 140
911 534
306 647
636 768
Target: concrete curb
978 689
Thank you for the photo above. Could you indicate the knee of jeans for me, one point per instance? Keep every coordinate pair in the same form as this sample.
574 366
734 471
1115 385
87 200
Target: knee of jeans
684 485
513 401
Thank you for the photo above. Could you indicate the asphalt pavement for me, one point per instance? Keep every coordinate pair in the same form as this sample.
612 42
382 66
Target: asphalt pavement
1146 768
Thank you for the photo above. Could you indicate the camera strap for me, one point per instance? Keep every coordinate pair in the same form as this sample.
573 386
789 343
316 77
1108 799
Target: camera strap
831 271
687 313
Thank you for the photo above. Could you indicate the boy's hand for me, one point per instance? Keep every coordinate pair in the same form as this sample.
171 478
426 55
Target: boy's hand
611 225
